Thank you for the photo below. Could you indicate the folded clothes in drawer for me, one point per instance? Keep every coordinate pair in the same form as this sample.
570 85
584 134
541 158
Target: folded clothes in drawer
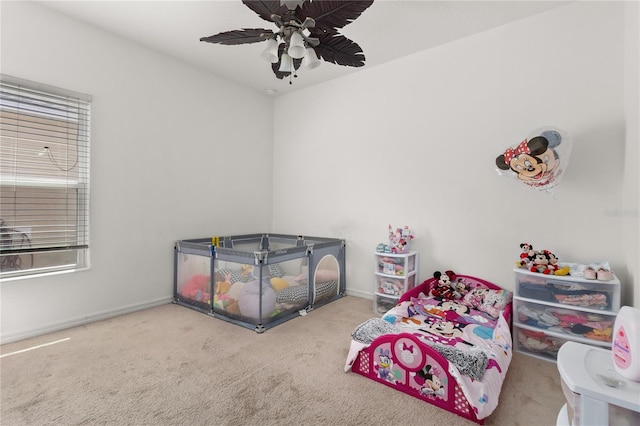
541 343
560 294
568 290
537 291
587 299
597 327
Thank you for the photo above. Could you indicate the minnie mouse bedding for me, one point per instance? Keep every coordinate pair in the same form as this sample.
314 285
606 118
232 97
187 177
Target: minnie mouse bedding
451 352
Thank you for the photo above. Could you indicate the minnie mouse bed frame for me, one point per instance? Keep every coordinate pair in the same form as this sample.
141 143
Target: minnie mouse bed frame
425 362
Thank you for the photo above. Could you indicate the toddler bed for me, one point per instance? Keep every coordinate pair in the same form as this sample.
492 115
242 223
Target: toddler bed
451 349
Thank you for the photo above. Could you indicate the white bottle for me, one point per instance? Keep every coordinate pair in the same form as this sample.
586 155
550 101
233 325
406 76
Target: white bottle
625 347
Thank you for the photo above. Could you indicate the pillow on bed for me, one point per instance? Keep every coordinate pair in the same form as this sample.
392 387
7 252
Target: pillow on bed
487 300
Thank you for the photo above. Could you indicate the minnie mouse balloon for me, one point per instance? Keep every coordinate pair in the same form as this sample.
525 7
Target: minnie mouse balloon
538 161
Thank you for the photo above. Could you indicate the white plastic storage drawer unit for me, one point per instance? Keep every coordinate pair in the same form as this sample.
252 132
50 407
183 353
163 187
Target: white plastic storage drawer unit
382 304
550 310
395 274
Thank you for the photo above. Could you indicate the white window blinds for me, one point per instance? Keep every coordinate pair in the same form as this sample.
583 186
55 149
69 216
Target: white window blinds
44 178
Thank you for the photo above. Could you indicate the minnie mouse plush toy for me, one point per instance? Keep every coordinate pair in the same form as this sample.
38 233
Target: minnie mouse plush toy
525 256
445 288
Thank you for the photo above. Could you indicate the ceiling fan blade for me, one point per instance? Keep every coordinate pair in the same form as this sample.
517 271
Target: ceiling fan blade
338 49
243 36
330 15
265 9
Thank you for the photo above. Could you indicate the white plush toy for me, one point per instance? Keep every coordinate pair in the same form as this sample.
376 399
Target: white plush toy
249 299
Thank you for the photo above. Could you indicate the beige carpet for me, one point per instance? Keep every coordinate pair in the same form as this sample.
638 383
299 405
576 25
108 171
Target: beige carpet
174 366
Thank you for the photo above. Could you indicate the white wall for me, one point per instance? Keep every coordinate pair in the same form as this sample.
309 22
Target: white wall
171 158
414 142
631 189
410 142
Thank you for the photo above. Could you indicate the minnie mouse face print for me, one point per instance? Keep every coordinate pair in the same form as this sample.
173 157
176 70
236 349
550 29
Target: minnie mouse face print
538 161
524 160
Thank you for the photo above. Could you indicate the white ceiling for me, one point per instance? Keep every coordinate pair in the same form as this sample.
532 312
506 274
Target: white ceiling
387 30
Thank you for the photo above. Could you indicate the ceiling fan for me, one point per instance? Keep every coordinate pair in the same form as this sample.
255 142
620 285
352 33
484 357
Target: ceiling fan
307 31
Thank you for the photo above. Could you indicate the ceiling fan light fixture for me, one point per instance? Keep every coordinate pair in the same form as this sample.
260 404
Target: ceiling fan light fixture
296 45
308 31
270 53
311 60
286 63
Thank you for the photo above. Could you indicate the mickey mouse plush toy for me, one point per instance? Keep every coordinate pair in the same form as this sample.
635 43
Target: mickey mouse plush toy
445 288
554 264
540 263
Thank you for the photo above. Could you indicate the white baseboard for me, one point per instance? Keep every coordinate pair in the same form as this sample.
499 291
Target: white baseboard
50 328
361 294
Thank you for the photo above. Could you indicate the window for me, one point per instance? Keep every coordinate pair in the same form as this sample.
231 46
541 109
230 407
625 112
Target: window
44 179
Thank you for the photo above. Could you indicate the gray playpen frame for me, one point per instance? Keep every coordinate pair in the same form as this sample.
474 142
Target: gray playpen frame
315 249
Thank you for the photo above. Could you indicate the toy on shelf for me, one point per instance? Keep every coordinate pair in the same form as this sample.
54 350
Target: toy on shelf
541 261
527 251
399 239
383 248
